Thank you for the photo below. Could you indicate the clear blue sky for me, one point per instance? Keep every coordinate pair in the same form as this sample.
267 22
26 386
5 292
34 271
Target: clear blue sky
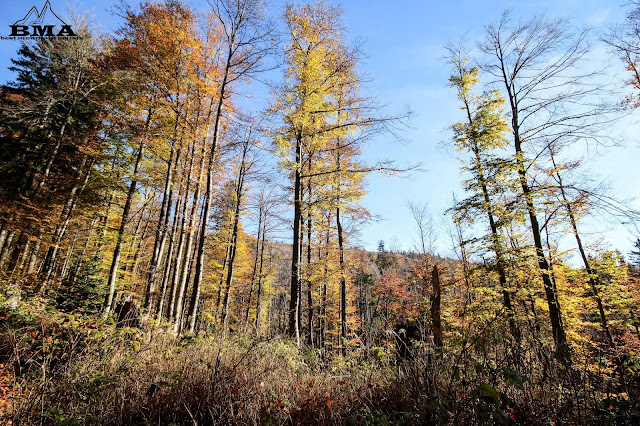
403 42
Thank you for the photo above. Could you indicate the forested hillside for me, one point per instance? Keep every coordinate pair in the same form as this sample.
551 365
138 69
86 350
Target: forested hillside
170 254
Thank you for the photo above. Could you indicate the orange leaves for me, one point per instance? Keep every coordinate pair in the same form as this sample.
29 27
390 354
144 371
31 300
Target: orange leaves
8 391
398 294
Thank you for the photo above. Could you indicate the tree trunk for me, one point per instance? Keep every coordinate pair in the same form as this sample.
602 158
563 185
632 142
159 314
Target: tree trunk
193 306
557 327
33 258
309 284
436 323
161 233
234 236
65 217
137 250
294 307
168 264
19 247
259 290
255 267
583 255
495 237
185 266
177 264
6 247
343 286
3 235
323 328
113 271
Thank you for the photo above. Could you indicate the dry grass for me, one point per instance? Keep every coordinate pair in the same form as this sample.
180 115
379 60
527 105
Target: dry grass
69 370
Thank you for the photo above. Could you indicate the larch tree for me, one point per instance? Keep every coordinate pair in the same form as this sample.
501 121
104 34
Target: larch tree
314 36
326 119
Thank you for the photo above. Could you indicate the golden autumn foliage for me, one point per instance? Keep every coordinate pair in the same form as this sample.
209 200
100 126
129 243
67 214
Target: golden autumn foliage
170 254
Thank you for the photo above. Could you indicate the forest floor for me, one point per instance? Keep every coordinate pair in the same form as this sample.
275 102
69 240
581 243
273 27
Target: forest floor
66 369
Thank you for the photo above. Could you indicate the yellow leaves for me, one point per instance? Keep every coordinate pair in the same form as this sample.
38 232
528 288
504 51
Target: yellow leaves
464 79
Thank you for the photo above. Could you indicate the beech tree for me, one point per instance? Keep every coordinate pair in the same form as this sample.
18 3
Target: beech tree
150 69
245 41
536 63
482 134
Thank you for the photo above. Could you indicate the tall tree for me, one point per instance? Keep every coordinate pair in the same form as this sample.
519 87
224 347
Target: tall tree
48 129
536 63
326 120
245 42
481 135
148 69
314 42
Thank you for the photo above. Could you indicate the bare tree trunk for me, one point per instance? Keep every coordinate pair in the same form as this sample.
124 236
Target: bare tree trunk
223 274
33 258
6 246
3 235
52 252
300 299
436 323
323 328
161 231
19 247
234 236
343 286
137 250
259 290
81 257
137 237
185 266
113 271
190 259
175 277
294 305
309 283
168 264
255 267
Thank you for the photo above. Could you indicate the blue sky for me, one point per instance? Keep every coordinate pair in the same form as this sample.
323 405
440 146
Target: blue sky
403 44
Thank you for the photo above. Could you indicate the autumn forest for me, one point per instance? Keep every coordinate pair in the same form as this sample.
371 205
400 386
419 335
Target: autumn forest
172 254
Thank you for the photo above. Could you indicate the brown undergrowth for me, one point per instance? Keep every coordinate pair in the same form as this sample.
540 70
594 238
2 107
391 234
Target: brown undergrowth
65 369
